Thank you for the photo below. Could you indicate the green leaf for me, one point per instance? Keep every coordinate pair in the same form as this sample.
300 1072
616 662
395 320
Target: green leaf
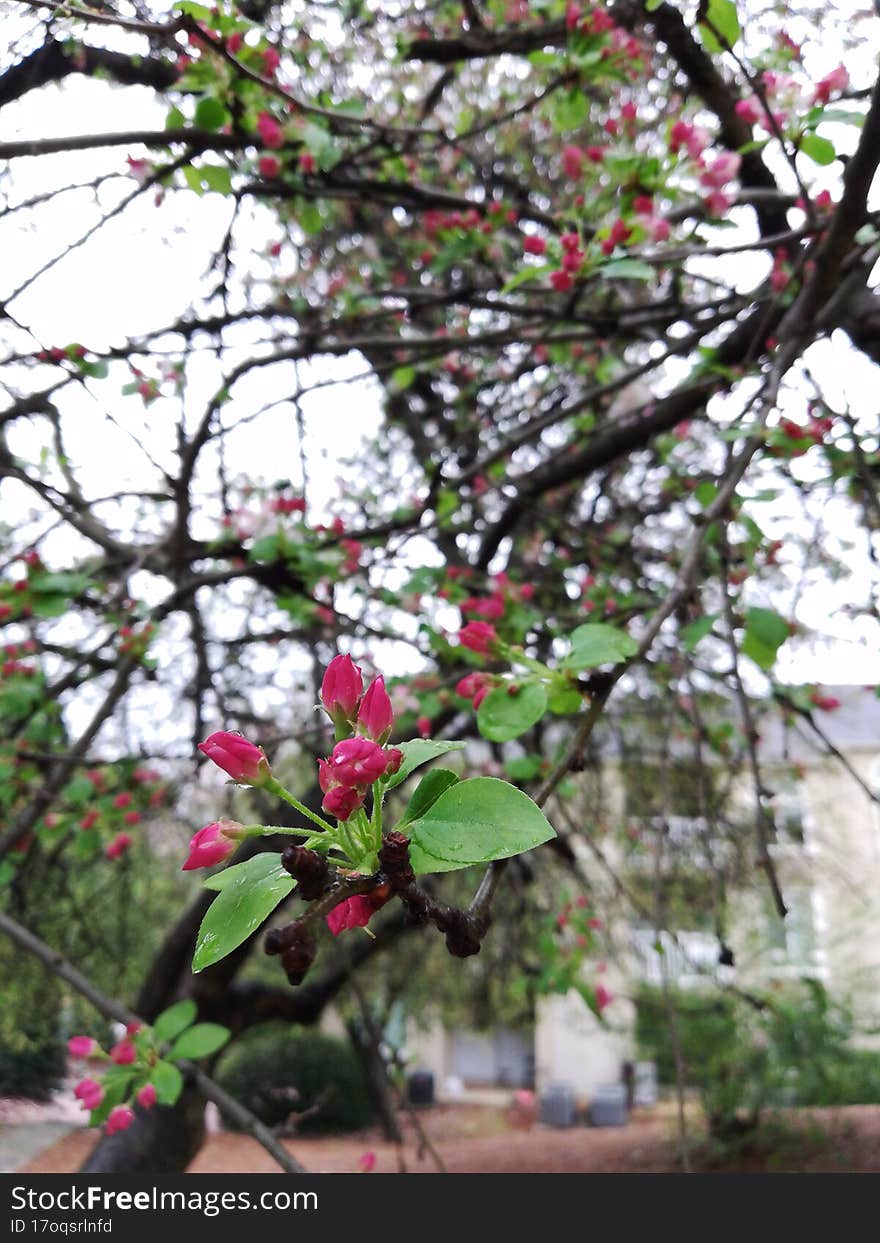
216 177
200 1041
628 270
819 149
652 5
719 28
527 273
763 656
476 821
417 752
245 901
402 377
168 1082
175 1019
115 1084
766 631
210 114
426 793
175 119
56 584
597 644
564 701
697 630
502 716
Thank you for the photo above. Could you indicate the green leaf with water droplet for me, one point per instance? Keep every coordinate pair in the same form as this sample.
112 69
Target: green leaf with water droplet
246 900
417 752
476 821
502 716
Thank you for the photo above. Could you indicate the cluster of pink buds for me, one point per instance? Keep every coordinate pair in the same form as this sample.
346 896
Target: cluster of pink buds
358 762
90 1093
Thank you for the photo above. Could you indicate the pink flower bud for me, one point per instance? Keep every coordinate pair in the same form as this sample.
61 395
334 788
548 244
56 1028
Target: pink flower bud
478 637
146 1097
341 689
376 716
124 1053
354 912
117 848
270 131
367 1162
89 1093
533 245
269 165
211 845
357 761
342 801
120 1119
81 1046
423 727
242 760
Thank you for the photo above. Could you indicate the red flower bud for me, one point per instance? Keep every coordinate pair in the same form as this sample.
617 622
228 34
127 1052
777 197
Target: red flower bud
81 1046
376 715
146 1097
120 1119
341 689
242 760
478 637
212 844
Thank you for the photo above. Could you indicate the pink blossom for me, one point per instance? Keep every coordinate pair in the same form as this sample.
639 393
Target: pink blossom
89 1093
341 689
211 845
376 716
306 162
242 760
718 202
603 997
832 84
367 1162
269 165
271 61
478 637
146 1097
572 162
81 1046
117 848
120 1119
342 801
354 912
534 245
123 1053
724 168
270 131
356 762
748 110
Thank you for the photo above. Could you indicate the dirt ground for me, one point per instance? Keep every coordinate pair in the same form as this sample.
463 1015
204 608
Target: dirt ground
481 1140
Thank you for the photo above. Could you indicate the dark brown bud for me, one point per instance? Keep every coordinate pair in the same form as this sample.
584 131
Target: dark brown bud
394 861
309 869
299 955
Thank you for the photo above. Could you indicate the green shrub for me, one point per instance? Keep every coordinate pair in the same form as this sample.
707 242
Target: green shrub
274 1073
31 1067
742 1060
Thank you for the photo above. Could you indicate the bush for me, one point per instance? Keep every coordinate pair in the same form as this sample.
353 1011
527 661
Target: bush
275 1073
32 1068
742 1060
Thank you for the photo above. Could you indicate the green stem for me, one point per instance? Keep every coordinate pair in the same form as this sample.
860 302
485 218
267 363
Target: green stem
266 830
275 787
376 822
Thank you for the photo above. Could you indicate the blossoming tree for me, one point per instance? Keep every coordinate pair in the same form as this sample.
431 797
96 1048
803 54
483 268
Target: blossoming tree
564 290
